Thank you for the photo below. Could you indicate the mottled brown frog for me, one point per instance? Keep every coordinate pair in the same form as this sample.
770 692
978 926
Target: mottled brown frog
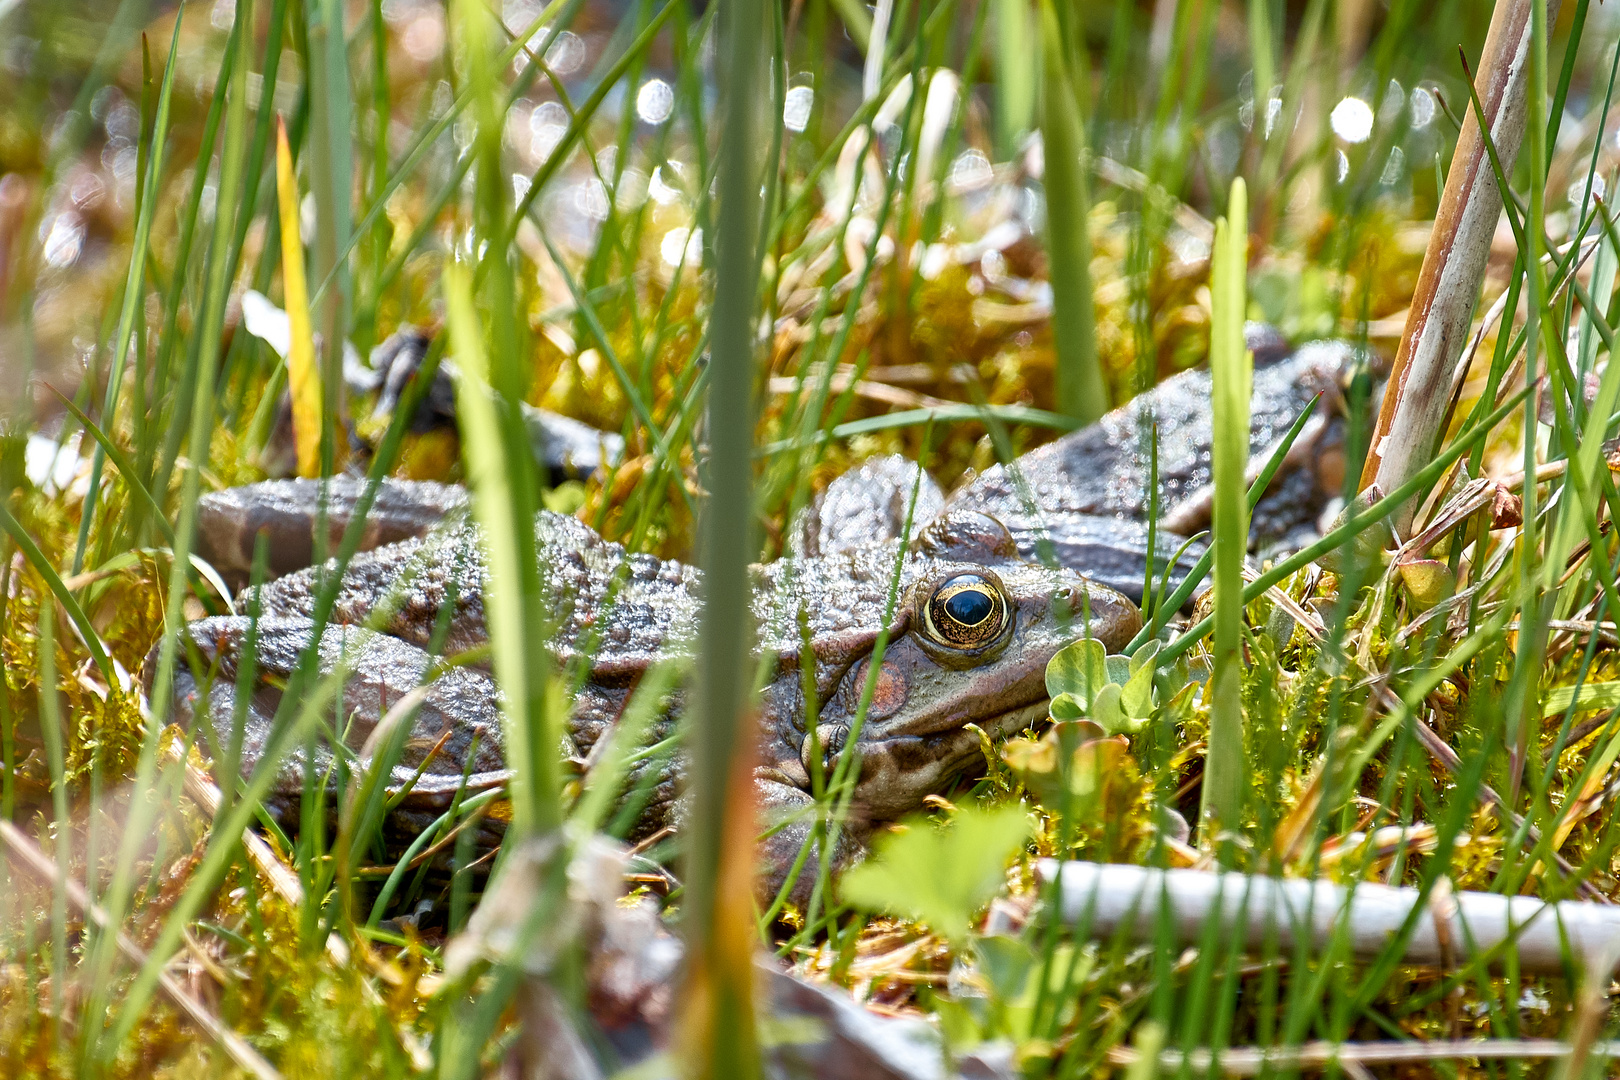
972 628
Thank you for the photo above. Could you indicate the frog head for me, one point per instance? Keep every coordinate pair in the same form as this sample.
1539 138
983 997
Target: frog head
973 628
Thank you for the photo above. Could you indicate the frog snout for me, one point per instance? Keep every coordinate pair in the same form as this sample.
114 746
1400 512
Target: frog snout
829 740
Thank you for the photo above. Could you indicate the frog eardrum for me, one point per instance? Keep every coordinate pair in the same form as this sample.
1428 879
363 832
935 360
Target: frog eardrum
967 612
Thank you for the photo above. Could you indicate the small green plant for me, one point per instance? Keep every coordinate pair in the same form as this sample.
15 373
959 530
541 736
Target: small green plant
1117 693
941 876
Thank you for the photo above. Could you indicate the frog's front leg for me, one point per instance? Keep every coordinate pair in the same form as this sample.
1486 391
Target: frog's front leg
788 816
289 512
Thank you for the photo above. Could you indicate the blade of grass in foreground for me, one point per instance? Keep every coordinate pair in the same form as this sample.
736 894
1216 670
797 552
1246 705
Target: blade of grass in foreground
505 363
329 166
50 729
1080 390
133 288
1231 368
1015 75
492 383
718 1021
494 506
143 499
97 1048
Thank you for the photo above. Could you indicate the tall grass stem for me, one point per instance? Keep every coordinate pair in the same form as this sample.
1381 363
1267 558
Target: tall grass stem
719 917
1079 383
1232 372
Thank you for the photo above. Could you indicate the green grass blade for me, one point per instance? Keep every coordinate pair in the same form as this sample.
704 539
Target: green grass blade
1231 370
132 481
1015 31
329 165
50 727
495 506
134 287
1080 390
718 870
201 429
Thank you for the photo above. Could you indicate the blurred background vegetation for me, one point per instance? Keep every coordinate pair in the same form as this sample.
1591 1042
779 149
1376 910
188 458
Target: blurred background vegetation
906 269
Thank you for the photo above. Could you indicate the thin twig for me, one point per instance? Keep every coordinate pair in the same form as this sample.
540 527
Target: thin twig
284 881
30 858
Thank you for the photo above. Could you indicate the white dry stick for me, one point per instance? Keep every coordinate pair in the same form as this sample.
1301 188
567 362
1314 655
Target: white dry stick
1255 1060
1454 264
1451 929
27 854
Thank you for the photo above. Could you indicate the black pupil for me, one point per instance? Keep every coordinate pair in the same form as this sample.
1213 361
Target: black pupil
970 607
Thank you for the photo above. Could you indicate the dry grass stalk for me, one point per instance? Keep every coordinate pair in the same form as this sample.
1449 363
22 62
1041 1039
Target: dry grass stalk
1454 265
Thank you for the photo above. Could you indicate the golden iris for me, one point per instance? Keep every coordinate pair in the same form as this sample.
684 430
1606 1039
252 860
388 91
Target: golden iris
967 611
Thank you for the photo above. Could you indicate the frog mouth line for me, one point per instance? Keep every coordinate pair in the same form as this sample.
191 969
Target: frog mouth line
897 770
997 726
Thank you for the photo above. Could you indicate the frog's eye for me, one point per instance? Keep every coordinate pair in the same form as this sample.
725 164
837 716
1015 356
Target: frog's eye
967 611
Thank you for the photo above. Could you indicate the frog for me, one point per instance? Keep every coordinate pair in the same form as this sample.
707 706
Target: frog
966 627
1057 542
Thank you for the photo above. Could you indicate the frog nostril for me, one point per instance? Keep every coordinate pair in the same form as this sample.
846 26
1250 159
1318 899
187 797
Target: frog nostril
828 740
